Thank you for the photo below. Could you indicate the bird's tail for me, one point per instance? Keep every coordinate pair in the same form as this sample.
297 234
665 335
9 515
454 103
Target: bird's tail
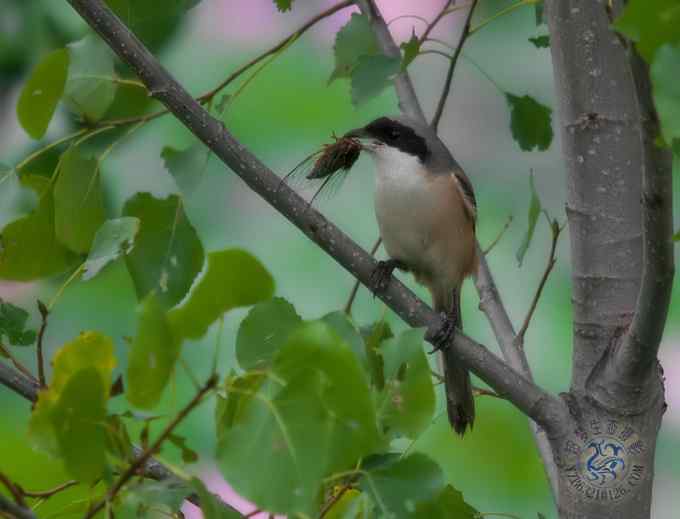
460 402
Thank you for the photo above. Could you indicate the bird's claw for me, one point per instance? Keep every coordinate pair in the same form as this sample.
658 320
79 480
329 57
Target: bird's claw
442 337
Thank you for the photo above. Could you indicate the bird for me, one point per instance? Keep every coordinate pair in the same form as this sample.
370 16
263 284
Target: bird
426 212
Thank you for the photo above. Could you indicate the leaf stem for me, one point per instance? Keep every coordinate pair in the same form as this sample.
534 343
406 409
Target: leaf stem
498 237
50 146
63 287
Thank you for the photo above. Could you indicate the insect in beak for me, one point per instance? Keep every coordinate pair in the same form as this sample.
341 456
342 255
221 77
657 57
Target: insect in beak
341 155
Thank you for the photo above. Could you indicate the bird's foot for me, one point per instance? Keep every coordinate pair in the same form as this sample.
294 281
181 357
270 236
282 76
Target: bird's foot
380 278
442 337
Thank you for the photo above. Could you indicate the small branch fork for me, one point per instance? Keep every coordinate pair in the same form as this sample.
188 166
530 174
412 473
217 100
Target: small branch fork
545 408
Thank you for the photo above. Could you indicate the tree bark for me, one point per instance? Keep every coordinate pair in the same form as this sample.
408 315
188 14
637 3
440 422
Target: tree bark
619 212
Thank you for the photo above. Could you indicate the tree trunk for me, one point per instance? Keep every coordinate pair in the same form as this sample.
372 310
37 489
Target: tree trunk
608 125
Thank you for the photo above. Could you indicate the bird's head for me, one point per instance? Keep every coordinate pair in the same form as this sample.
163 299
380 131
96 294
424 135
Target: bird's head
394 136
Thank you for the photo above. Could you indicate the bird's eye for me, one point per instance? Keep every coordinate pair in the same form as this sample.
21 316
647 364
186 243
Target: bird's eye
392 134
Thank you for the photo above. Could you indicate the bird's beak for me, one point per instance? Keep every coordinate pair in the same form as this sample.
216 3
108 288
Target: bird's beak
357 133
363 137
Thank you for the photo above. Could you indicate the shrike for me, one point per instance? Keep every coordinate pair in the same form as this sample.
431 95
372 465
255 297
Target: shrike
426 212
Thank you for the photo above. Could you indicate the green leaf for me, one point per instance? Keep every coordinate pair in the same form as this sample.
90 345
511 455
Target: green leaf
676 236
449 503
211 506
346 330
113 239
16 200
541 42
13 325
664 72
188 454
69 417
78 201
530 122
371 76
403 485
152 357
353 40
41 93
311 416
264 331
534 212
411 49
186 166
233 278
146 495
90 88
407 403
29 248
284 5
374 335
168 254
651 24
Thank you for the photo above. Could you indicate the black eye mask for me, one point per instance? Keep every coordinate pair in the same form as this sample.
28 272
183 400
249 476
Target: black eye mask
399 136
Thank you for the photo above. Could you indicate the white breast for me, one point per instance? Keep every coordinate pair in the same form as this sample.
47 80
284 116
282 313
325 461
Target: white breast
403 209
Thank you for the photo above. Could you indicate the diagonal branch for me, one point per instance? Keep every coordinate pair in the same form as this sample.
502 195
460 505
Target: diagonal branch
452 66
544 408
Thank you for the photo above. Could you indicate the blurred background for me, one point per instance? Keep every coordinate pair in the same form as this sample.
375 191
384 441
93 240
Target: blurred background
286 112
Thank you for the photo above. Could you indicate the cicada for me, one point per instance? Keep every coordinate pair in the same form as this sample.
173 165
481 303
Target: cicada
330 164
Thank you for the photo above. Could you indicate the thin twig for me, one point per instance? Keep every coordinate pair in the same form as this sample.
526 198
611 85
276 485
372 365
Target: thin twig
355 288
452 66
334 499
17 363
44 312
447 10
141 460
251 514
556 230
46 494
210 94
498 238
